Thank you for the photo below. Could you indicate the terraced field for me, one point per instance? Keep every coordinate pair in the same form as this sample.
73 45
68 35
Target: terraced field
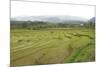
32 47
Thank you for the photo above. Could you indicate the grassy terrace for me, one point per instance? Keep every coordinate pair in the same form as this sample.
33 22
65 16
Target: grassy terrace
31 47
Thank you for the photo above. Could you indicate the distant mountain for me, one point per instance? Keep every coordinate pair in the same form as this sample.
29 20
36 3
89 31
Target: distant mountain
92 20
53 19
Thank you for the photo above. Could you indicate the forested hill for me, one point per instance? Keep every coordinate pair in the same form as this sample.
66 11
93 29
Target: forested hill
52 22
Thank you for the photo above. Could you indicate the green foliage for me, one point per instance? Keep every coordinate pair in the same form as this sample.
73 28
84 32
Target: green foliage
37 25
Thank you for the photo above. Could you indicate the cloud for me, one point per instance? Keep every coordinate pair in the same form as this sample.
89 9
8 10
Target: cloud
39 9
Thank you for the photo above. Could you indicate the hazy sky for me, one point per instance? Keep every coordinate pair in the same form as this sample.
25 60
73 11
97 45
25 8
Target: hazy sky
38 9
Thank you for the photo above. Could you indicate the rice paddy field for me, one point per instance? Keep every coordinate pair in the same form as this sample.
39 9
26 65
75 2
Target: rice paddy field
52 46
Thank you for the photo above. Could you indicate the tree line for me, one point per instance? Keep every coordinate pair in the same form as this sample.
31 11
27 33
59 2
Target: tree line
34 25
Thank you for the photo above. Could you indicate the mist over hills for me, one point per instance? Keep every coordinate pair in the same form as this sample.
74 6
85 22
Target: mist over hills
43 22
52 19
